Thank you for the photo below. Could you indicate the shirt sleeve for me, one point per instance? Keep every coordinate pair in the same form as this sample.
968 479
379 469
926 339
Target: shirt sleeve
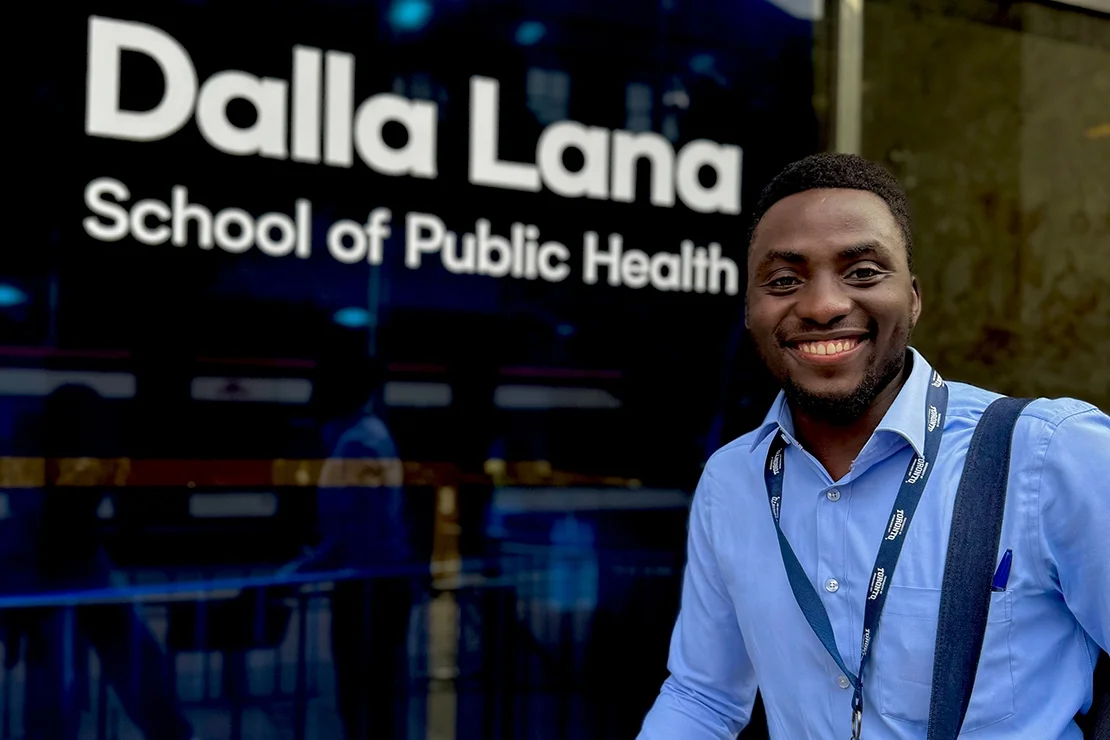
1075 518
712 686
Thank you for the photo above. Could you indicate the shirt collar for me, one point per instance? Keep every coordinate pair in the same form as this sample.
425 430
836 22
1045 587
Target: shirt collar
905 417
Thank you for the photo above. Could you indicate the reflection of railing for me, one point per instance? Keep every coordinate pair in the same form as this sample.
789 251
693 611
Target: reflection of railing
214 635
497 645
510 663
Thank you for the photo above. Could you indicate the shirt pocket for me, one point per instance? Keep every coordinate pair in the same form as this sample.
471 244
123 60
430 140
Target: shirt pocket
904 659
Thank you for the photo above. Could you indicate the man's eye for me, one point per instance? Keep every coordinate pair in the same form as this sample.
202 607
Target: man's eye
864 273
786 281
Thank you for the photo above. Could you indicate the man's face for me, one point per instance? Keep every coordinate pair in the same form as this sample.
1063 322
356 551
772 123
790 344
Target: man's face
830 299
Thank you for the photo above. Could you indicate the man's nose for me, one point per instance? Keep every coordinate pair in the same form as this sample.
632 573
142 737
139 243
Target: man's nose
823 300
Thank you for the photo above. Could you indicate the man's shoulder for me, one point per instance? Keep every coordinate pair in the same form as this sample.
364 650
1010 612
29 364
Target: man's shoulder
969 402
1056 426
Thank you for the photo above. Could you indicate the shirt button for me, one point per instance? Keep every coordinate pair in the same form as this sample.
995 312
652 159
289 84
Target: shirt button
843 682
832 585
833 495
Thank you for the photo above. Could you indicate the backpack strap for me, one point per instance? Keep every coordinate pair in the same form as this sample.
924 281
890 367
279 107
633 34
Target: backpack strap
1096 722
969 566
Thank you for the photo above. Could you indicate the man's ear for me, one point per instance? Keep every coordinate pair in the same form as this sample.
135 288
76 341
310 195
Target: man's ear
915 310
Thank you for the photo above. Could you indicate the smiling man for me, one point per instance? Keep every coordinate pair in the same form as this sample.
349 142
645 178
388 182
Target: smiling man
862 417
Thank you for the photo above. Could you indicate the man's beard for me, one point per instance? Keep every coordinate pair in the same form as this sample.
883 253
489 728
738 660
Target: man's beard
841 410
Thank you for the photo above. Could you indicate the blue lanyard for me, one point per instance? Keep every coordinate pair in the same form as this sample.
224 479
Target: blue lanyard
909 494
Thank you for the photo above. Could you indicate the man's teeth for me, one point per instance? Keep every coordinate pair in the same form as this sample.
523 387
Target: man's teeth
828 348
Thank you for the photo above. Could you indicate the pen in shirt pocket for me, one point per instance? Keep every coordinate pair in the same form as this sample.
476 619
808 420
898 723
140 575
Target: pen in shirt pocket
1002 575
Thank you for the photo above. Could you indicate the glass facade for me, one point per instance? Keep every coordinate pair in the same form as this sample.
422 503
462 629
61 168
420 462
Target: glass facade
358 359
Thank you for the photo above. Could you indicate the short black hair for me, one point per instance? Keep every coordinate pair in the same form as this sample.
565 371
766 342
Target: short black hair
837 170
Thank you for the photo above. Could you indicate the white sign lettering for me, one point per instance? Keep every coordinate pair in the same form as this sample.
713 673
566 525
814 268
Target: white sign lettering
318 107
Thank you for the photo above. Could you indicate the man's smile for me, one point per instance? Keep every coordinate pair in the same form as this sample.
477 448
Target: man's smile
832 348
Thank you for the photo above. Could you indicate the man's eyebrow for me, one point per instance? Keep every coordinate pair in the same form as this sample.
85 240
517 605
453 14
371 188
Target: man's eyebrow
863 249
794 258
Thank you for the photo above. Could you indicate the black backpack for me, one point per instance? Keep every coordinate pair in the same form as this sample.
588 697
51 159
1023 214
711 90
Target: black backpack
965 596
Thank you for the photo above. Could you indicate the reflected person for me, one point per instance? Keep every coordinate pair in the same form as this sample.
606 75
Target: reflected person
65 555
362 525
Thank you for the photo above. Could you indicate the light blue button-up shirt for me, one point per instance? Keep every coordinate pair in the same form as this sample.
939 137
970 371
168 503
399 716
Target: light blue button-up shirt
740 628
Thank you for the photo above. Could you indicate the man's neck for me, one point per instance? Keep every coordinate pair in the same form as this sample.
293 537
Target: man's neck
837 444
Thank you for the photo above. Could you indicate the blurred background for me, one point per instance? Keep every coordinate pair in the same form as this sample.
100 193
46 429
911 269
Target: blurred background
246 496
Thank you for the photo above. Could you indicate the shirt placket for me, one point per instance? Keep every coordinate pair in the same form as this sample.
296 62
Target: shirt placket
834 576
830 502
